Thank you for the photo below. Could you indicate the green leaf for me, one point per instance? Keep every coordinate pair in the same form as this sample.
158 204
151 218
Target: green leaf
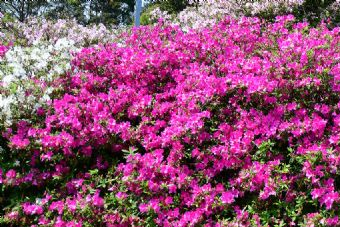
94 172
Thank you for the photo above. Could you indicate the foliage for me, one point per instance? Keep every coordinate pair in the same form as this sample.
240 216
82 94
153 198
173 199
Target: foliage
172 6
21 9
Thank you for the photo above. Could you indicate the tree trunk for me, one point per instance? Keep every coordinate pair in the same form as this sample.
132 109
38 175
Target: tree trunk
22 11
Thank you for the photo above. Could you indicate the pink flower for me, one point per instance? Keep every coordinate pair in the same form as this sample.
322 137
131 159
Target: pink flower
11 174
97 200
229 196
333 221
71 204
43 221
329 198
47 156
168 200
143 208
3 49
19 142
32 209
58 205
121 195
317 193
267 191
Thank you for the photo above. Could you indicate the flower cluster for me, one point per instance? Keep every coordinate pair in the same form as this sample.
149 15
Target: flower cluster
237 124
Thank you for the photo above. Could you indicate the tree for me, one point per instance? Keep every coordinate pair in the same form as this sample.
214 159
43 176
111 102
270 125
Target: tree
21 9
84 11
94 11
314 10
111 11
67 9
171 6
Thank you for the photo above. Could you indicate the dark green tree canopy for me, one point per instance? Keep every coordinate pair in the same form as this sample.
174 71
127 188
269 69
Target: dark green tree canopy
113 12
85 11
21 9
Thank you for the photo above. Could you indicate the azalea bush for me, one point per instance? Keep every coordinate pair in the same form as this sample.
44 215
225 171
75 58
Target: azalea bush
236 124
37 53
206 13
36 30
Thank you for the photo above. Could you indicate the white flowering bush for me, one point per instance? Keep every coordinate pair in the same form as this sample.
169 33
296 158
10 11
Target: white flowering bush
36 30
207 13
40 55
26 73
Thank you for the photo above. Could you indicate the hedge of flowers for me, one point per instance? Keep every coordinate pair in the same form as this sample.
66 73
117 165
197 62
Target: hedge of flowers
237 124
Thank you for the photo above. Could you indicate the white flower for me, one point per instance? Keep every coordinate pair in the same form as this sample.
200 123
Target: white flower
17 163
7 79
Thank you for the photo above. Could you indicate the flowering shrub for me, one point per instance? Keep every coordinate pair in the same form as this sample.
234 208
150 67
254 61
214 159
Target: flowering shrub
233 125
40 54
26 75
37 30
207 13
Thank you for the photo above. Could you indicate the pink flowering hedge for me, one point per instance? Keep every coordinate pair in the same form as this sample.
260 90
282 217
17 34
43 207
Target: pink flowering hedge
233 125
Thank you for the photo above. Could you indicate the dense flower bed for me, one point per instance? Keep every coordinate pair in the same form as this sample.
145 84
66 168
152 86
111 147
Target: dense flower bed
233 125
